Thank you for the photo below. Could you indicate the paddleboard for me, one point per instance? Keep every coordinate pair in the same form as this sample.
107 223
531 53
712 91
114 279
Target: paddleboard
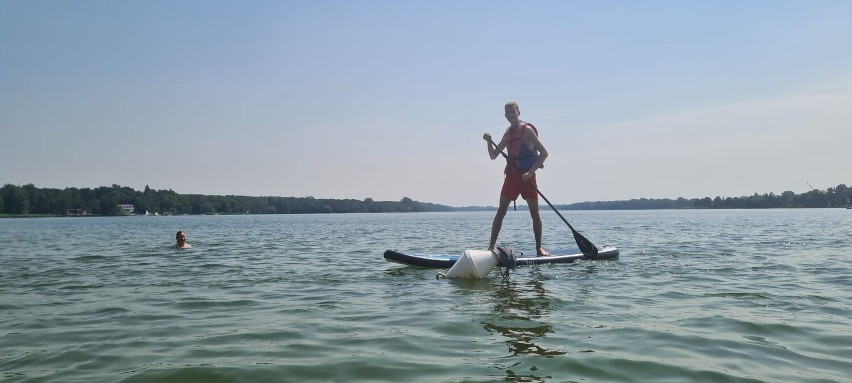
445 261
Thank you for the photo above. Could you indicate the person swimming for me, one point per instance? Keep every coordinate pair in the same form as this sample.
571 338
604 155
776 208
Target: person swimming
181 243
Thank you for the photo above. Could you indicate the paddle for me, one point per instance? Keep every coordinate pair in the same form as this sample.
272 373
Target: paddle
586 246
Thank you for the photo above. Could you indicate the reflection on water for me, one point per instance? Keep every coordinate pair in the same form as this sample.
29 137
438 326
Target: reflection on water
520 315
520 310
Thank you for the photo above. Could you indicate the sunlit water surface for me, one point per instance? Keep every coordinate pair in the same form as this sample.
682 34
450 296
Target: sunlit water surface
696 296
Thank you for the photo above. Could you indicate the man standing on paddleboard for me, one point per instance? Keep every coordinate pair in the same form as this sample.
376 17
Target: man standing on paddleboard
526 155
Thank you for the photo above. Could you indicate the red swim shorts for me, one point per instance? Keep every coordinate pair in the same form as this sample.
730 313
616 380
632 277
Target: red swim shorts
514 185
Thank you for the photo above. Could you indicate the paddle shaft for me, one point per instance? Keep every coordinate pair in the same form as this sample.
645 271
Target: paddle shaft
577 236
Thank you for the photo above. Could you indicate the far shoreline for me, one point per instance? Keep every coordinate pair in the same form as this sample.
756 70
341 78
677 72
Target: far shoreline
460 210
31 201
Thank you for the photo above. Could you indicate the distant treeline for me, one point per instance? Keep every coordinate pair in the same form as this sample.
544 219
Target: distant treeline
839 196
30 200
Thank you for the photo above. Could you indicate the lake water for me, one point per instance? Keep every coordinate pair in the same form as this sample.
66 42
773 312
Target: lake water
696 296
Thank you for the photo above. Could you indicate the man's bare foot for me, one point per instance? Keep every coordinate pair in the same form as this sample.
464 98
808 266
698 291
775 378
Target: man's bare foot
542 252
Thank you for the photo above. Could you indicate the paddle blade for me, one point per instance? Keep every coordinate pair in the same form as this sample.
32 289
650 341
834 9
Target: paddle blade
586 246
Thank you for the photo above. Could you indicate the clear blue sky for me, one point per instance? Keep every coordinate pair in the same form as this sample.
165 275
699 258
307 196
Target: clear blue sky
389 99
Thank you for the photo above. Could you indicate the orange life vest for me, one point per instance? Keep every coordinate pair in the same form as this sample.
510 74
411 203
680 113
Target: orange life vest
520 154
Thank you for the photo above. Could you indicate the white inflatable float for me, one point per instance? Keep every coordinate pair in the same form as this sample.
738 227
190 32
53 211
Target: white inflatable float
474 264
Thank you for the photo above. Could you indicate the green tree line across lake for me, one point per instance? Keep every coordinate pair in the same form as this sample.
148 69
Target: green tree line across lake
30 200
839 196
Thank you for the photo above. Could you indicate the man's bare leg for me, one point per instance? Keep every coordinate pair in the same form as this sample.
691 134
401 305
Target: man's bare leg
536 218
498 221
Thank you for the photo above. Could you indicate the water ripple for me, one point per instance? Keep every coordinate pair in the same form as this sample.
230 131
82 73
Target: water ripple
710 296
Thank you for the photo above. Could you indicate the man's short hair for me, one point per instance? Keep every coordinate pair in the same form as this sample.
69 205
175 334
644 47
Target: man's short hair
513 105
